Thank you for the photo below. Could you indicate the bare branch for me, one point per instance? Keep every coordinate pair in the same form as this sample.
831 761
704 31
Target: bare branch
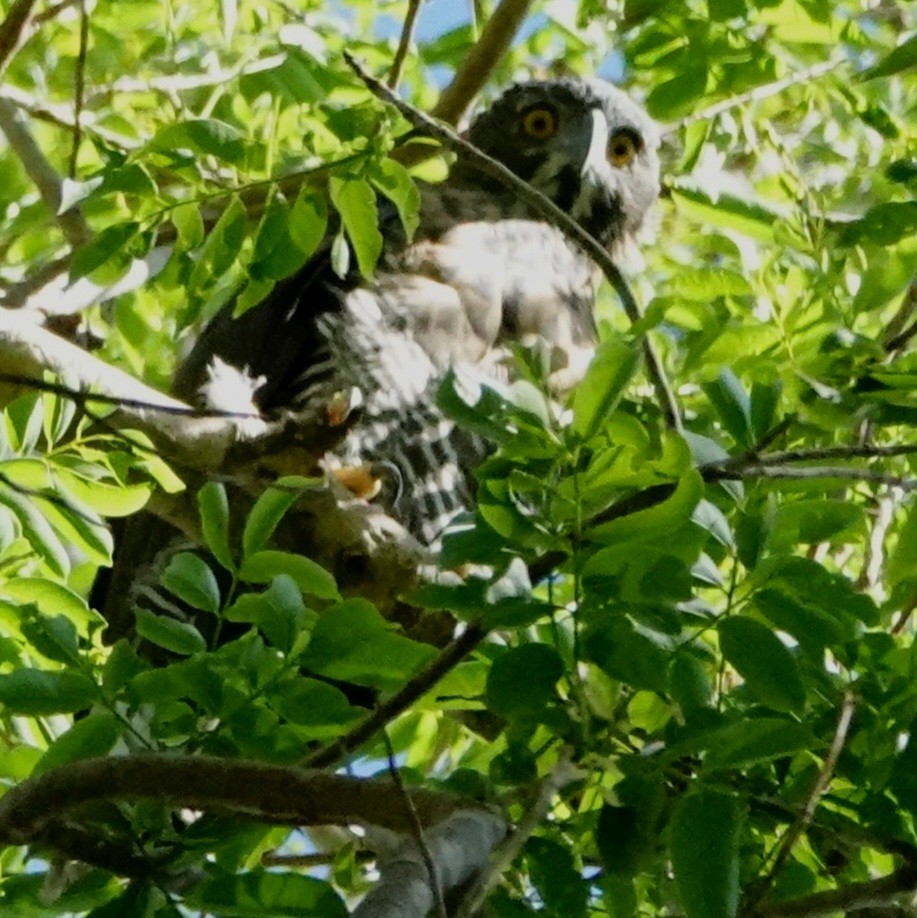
404 43
757 94
42 173
868 893
563 773
549 211
62 116
14 30
416 830
459 846
796 830
859 451
844 473
449 657
180 82
79 85
248 789
481 59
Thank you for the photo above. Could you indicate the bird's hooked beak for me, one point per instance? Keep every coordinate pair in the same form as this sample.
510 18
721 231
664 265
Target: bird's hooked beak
595 159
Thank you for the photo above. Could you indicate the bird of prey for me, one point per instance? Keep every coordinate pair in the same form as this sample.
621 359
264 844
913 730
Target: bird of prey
482 272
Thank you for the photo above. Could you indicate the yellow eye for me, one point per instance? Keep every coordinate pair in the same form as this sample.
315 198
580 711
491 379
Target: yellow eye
622 149
539 123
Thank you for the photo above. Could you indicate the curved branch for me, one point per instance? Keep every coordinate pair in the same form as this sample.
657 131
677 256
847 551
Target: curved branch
13 30
254 790
481 59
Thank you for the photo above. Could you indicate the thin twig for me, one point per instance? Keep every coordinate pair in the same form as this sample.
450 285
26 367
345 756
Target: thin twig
547 209
53 11
416 828
271 793
449 657
809 473
796 830
859 451
62 116
180 82
79 86
404 43
757 94
848 899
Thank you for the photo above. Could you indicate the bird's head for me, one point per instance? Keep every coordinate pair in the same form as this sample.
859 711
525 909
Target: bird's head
583 143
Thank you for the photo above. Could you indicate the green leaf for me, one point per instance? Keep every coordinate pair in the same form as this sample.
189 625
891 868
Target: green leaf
276 254
690 684
107 499
37 531
323 709
352 642
213 506
37 692
902 559
395 182
732 405
769 669
904 57
203 135
178 637
262 894
704 846
110 241
554 874
627 653
623 839
356 203
596 397
657 522
522 682
309 220
311 578
269 510
221 247
191 579
728 211
814 521
884 224
92 736
676 97
54 637
746 743
52 599
279 612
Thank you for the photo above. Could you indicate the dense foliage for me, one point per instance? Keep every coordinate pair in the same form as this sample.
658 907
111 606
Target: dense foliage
698 640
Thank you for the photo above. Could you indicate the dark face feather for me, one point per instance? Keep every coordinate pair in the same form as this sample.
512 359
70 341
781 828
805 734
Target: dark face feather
584 144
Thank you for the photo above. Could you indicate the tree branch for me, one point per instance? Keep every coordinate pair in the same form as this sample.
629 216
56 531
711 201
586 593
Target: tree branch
404 43
43 174
866 894
432 879
481 59
459 847
795 831
713 473
563 773
14 30
253 790
549 211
